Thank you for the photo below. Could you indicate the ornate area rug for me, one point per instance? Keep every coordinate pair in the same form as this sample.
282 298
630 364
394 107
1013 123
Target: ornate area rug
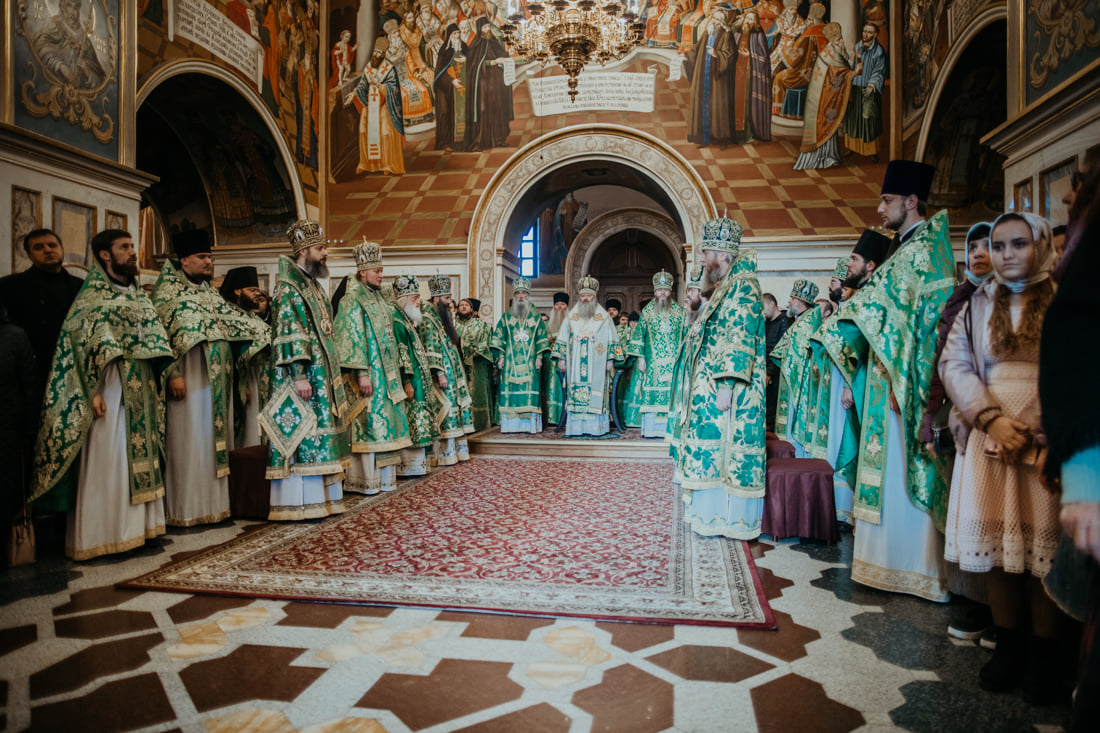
557 537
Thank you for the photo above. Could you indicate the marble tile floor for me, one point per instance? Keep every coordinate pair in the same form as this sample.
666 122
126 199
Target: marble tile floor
77 654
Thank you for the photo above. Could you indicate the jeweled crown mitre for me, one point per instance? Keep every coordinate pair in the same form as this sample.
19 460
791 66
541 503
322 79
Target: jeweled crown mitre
588 284
521 283
696 276
663 279
722 234
439 285
368 255
804 290
304 233
405 285
840 272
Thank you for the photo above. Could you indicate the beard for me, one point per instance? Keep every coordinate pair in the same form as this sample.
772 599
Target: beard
198 278
464 316
520 308
835 295
662 304
316 269
444 312
585 310
412 312
126 268
557 318
247 303
711 277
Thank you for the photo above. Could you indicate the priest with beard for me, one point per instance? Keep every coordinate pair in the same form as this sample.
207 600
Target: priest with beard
520 343
450 92
368 355
488 98
305 419
655 341
586 349
477 359
552 397
444 348
793 422
424 409
252 387
206 333
716 414
102 410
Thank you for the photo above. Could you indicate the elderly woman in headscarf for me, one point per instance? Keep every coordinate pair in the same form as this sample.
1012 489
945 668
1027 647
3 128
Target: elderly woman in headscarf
1000 520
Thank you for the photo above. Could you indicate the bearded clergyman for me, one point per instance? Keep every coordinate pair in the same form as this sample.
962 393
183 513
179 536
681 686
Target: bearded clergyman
102 410
241 288
305 417
656 342
520 343
444 347
204 330
718 404
586 350
424 409
368 354
477 359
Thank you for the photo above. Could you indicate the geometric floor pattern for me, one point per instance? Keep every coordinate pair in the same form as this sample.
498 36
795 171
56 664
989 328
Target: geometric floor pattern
76 653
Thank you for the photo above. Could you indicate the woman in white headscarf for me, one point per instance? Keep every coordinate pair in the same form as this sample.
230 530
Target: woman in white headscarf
1000 520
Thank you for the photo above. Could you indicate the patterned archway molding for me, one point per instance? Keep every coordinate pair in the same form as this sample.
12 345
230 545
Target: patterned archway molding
579 261
625 146
198 66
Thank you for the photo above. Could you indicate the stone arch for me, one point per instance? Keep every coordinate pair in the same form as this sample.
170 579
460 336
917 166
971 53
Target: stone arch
599 230
976 26
618 144
197 66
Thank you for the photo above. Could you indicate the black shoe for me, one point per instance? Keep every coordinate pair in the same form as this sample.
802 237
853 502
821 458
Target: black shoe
969 619
1004 671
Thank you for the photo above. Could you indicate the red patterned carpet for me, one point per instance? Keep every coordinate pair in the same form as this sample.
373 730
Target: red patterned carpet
558 537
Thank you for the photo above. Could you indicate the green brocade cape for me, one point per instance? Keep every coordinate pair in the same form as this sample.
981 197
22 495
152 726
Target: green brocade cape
885 338
310 434
478 360
520 343
198 316
657 339
105 323
366 345
796 381
425 410
444 357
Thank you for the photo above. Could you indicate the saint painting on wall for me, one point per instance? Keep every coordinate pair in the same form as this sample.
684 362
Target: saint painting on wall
66 72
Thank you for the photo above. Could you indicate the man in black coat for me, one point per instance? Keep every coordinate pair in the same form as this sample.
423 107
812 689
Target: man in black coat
38 299
776 324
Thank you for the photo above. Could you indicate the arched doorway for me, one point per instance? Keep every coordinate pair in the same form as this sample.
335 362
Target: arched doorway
680 194
222 163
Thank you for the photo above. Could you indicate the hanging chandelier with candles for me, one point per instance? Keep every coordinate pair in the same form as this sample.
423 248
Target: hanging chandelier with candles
574 33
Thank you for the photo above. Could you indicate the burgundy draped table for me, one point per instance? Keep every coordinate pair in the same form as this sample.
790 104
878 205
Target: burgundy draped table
777 448
249 490
799 500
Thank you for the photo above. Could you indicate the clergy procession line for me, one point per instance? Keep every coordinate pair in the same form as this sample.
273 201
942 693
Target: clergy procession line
922 396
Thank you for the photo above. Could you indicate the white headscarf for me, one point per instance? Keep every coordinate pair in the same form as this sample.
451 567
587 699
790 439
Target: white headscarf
1045 256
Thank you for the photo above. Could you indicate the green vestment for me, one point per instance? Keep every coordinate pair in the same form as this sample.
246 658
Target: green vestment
477 358
723 348
885 340
444 358
630 393
796 378
367 348
550 382
197 316
104 324
657 339
520 343
425 410
308 437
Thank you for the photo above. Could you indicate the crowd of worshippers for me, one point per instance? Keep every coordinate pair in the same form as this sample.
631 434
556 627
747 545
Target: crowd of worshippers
963 434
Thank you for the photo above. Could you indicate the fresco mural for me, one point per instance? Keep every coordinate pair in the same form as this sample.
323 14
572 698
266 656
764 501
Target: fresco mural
753 71
288 34
1061 38
65 71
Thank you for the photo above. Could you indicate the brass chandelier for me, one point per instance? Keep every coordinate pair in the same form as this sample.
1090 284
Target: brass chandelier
574 33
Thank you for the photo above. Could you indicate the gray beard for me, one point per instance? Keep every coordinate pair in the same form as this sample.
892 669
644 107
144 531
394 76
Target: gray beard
585 310
413 313
556 319
711 278
521 310
662 304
